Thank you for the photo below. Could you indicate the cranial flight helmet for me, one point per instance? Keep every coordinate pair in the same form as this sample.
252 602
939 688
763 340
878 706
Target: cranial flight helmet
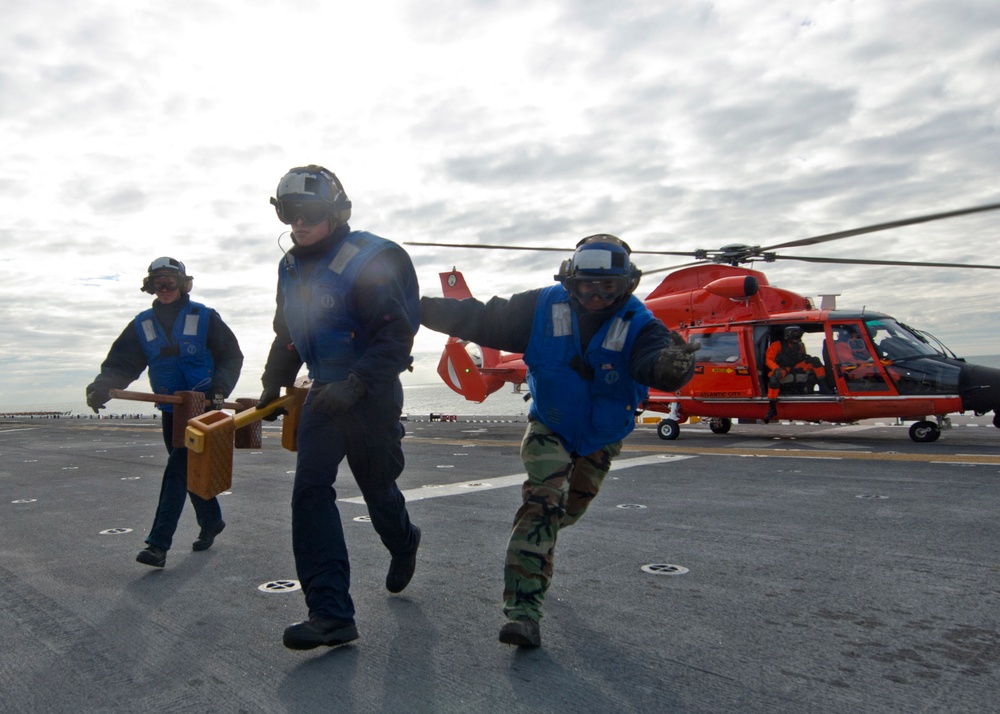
312 193
167 267
793 333
604 258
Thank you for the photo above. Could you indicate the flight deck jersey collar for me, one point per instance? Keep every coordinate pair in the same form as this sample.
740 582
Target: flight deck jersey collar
588 398
182 360
326 334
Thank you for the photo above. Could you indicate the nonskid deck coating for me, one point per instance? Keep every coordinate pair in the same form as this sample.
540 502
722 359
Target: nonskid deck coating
827 570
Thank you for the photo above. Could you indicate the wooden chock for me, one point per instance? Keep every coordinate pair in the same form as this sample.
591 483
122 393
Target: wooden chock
192 404
187 405
209 439
249 436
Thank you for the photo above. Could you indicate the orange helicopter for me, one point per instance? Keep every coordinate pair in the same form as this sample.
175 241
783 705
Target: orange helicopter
872 364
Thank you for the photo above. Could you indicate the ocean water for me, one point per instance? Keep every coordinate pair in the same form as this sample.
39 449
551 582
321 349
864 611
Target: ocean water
419 401
427 399
985 360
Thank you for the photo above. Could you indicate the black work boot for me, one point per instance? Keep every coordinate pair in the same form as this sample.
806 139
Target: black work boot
318 631
207 536
401 569
522 632
772 410
157 557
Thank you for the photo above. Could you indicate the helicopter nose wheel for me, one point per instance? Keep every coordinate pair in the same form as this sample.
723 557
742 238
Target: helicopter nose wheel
924 432
668 429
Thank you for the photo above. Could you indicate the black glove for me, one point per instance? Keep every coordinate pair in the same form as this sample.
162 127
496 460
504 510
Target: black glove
675 365
97 397
269 394
337 397
218 400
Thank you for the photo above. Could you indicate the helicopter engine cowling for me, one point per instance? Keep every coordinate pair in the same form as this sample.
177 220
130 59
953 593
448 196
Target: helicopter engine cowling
734 287
979 387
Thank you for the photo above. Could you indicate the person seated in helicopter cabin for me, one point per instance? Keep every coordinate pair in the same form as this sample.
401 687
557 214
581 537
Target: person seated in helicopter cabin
853 355
787 357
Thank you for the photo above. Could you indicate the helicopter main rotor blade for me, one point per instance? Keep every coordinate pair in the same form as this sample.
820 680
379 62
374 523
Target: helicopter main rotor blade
881 227
675 267
489 247
910 263
486 246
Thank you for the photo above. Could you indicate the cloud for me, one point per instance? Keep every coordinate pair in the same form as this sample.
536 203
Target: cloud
130 133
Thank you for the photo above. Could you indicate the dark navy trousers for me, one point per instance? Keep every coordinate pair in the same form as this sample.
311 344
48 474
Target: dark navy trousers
369 436
173 492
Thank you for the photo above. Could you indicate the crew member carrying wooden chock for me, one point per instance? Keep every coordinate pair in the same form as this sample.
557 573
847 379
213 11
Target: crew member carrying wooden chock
187 347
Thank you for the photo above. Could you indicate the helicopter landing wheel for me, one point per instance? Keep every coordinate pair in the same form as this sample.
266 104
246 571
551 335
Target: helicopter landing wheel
668 429
924 432
996 420
720 425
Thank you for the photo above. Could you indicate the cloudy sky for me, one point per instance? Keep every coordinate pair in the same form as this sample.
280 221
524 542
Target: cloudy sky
134 130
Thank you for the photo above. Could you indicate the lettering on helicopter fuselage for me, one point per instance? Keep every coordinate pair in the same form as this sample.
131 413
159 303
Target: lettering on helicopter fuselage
722 394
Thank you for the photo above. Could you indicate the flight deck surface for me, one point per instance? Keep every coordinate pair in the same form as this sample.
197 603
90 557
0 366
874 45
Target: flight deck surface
776 568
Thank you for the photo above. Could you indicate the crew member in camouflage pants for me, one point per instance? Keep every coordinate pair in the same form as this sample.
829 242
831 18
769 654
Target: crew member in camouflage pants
559 489
592 350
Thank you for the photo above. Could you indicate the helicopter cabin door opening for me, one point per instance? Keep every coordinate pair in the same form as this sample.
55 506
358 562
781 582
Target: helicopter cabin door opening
810 376
722 370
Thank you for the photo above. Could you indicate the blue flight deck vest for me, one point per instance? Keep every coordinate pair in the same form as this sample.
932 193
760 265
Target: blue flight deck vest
181 361
327 336
586 414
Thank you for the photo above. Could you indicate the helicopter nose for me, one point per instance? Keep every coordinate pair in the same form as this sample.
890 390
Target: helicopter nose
980 388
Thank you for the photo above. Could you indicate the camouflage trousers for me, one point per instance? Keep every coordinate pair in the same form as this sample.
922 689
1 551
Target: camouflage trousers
559 489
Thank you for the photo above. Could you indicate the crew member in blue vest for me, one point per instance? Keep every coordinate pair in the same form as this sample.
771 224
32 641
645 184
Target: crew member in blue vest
187 347
347 306
592 349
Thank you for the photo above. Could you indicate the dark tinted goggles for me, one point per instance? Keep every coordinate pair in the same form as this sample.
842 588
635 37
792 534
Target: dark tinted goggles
608 289
165 282
311 212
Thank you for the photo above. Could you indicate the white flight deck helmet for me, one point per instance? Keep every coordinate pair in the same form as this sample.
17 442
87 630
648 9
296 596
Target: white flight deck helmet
167 267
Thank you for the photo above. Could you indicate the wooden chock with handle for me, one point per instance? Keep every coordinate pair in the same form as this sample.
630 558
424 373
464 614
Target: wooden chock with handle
209 439
187 406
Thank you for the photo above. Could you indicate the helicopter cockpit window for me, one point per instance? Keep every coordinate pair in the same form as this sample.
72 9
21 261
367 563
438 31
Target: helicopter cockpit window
913 363
897 342
717 347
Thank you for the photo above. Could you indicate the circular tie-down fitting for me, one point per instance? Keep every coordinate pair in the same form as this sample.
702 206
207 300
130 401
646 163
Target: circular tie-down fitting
871 496
363 519
630 505
116 531
279 587
25 500
663 569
